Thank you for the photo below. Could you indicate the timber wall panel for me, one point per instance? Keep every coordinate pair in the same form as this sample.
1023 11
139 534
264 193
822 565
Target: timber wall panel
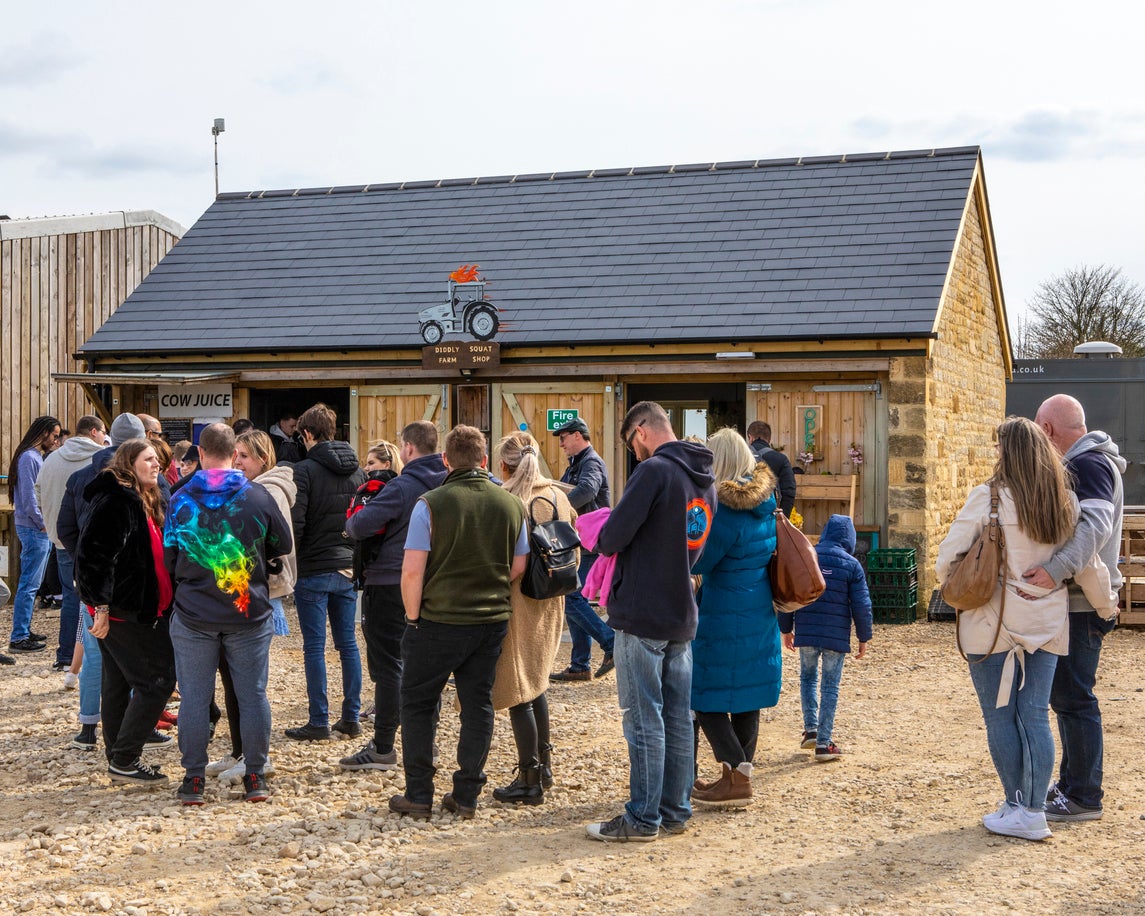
55 292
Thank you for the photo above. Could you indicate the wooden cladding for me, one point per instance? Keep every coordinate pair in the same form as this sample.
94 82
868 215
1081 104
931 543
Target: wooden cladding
55 292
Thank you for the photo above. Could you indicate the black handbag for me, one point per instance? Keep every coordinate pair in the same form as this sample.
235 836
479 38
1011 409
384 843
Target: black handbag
551 570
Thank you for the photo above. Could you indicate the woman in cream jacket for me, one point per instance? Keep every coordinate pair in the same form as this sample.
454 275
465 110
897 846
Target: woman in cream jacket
1038 513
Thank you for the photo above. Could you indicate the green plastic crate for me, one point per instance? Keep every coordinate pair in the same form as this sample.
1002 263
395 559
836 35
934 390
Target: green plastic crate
891 558
882 598
892 578
907 614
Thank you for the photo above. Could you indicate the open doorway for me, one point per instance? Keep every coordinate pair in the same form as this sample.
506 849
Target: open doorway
268 404
696 409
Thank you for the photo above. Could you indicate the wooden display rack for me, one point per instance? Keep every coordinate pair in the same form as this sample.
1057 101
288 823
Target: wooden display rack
1133 570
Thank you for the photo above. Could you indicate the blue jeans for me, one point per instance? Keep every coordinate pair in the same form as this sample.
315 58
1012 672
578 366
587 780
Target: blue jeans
584 623
1019 736
69 607
820 698
247 653
91 674
316 598
34 550
1079 717
654 687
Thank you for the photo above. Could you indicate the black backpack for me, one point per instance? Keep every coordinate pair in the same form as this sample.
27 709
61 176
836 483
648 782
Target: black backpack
551 570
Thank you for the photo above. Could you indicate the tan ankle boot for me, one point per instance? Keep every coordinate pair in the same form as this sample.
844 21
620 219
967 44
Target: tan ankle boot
732 790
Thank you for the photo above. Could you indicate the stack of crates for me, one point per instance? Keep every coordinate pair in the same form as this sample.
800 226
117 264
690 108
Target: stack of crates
893 580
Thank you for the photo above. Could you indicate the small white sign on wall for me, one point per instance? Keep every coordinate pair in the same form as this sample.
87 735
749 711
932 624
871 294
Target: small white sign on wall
189 401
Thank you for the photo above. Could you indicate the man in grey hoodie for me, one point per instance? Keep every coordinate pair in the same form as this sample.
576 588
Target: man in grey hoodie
1096 466
76 453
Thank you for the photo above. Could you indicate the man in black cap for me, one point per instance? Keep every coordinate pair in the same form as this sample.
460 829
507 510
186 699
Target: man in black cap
589 478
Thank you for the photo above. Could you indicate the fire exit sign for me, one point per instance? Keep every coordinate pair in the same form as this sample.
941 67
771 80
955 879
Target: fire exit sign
559 417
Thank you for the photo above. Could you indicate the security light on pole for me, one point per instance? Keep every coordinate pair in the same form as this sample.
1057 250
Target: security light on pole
220 126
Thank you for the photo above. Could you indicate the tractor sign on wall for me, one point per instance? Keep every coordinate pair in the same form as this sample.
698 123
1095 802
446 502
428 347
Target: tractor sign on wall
466 309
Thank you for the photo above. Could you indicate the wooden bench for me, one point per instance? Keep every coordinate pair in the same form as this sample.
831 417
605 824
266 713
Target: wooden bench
825 488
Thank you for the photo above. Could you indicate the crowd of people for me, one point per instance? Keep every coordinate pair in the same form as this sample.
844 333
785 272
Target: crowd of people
174 563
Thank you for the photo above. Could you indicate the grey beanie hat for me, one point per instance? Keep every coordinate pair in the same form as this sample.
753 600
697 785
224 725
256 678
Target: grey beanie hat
127 426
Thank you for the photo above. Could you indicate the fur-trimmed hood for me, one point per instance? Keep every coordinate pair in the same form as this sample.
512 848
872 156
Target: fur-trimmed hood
747 492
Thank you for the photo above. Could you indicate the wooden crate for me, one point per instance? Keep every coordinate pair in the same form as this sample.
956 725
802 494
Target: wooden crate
1133 571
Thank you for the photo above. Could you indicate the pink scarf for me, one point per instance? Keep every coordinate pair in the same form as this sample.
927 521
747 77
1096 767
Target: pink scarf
599 578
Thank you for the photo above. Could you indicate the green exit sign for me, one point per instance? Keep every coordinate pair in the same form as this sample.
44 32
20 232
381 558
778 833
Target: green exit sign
558 418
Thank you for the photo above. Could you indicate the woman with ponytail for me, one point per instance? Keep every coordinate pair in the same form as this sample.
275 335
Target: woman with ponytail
534 634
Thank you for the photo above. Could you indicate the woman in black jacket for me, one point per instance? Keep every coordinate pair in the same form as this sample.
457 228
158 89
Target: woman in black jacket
120 574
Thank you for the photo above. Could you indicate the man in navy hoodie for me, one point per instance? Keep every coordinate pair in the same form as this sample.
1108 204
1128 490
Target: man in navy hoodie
221 536
656 532
383 614
1095 466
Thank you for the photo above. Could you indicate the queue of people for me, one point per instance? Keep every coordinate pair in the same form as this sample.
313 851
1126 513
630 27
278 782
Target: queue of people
180 582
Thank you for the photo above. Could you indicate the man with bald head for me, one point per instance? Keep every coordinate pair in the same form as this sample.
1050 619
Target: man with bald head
1096 466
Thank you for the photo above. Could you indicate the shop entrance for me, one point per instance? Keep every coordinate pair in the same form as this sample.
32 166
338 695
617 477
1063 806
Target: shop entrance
268 404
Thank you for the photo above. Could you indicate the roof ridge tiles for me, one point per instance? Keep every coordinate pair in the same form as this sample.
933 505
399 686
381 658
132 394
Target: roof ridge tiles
629 172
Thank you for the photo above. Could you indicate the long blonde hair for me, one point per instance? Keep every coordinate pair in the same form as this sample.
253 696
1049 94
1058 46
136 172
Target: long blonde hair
387 453
259 446
1029 467
519 453
731 457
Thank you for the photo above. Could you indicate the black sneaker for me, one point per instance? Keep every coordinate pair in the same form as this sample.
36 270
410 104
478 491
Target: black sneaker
308 732
254 788
26 645
62 666
37 637
347 728
138 773
86 739
1060 807
606 665
191 791
368 758
6 659
618 830
157 740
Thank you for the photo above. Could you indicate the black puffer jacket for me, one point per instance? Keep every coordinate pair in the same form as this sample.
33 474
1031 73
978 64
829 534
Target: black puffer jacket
326 479
114 562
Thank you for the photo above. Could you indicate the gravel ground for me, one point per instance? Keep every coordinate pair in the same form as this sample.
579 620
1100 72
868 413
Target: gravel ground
893 827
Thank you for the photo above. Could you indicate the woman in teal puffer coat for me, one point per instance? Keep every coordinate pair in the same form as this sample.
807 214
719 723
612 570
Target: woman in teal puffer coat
736 665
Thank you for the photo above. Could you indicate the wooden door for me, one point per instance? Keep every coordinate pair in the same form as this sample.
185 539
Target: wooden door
383 411
526 406
844 417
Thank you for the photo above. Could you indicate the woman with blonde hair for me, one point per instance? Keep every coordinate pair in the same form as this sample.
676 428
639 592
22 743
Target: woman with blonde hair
1013 642
736 663
534 634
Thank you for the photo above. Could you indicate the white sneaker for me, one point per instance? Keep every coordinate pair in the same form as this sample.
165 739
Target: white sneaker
1023 823
221 765
235 774
71 681
995 817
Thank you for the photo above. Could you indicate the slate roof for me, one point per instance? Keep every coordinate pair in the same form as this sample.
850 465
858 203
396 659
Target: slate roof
826 247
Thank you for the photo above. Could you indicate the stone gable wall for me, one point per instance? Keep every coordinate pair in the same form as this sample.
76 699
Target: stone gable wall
943 410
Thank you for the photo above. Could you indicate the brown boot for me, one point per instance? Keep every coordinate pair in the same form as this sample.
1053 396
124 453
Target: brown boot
732 790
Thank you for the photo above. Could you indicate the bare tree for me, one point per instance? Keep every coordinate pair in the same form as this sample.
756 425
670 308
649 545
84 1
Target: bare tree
1082 304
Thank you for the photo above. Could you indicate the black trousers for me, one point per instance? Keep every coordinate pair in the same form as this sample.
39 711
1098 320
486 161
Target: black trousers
383 625
430 653
138 679
732 735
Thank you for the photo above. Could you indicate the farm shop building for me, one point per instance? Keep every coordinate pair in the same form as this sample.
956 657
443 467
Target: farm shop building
849 301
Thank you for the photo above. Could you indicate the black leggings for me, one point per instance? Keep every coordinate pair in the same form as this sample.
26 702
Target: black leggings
732 735
530 723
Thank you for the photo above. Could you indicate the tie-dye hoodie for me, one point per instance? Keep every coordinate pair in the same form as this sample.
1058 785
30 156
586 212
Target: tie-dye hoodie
221 530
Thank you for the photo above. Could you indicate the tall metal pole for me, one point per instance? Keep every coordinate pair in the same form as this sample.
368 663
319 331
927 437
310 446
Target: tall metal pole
219 126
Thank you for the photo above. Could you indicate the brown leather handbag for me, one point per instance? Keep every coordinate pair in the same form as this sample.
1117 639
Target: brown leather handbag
796 580
974 577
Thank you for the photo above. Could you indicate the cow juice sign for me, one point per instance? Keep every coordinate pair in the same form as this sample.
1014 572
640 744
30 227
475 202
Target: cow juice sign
189 401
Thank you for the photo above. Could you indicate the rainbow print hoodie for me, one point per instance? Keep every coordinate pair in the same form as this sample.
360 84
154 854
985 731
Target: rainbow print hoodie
221 531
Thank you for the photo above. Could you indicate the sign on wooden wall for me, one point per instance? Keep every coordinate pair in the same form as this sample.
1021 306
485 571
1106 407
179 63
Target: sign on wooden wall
190 401
464 354
808 419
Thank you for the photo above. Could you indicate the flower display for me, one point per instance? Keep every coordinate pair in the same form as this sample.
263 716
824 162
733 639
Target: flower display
855 453
806 458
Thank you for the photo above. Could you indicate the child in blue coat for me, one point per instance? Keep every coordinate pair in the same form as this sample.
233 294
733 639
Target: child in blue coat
823 634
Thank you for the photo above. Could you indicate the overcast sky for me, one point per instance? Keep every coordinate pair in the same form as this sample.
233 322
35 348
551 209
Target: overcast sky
109 106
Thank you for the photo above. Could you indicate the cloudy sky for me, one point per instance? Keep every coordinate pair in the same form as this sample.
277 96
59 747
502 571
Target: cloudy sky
109 106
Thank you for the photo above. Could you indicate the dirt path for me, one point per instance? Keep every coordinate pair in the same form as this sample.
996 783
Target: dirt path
892 828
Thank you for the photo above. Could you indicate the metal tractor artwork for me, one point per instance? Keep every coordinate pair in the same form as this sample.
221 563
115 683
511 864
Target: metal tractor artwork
466 309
